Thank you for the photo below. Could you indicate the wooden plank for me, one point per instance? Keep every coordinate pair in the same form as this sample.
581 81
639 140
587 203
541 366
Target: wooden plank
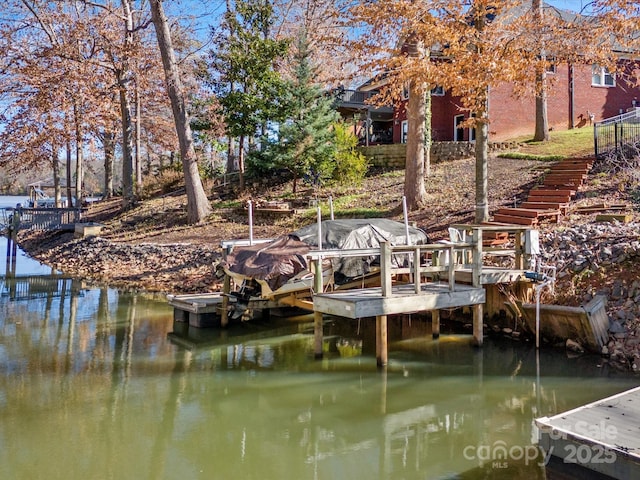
543 192
562 183
544 205
567 173
550 198
513 219
369 302
586 325
610 217
519 212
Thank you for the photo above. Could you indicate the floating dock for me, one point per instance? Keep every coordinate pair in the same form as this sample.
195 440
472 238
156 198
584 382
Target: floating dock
603 436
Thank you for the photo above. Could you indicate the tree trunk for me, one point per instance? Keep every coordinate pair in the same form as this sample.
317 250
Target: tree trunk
138 142
427 132
542 126
109 154
198 207
123 79
127 143
414 187
482 162
231 158
69 187
55 167
241 162
79 159
542 123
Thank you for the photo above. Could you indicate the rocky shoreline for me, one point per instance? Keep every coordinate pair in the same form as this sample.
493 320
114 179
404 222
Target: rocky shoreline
149 267
591 259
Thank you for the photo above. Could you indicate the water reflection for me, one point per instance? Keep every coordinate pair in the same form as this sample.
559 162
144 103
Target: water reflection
96 383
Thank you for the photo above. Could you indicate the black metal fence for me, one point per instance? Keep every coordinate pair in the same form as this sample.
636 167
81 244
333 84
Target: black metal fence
618 135
48 218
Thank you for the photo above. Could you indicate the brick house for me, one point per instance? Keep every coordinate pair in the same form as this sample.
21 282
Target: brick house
579 96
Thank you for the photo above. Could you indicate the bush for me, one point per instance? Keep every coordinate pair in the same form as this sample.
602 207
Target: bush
350 165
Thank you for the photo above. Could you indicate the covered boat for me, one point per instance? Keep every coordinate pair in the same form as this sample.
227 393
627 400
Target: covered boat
280 267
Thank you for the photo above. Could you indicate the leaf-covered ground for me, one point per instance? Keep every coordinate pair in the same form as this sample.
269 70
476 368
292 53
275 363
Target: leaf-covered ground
150 247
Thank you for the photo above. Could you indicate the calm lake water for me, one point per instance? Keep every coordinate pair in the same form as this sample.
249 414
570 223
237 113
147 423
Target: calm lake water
99 384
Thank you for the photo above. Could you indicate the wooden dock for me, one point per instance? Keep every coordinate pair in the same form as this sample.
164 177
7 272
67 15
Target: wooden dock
432 277
603 436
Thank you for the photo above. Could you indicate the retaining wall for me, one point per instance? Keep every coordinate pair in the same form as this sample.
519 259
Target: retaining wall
394 156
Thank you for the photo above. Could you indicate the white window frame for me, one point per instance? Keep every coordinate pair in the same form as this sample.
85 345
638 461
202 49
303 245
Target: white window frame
437 91
601 77
404 131
405 92
456 129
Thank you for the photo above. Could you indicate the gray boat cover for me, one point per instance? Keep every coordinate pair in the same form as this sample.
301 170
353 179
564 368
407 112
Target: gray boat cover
280 260
356 233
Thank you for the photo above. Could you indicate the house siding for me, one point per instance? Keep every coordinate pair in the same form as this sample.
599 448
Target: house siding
513 115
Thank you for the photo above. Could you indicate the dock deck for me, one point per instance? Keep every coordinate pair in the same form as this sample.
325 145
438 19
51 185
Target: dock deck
369 302
603 436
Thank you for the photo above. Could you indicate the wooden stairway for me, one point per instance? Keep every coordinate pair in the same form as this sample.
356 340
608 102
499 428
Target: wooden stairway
551 199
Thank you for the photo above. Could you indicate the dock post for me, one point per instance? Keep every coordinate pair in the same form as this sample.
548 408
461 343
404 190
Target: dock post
435 324
382 355
317 316
477 282
477 325
226 290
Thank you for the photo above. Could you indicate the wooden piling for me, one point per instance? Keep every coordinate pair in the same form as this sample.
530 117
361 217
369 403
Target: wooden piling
435 324
317 316
226 290
382 355
477 325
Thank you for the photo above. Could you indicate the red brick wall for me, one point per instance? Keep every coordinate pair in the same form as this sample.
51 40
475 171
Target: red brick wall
512 116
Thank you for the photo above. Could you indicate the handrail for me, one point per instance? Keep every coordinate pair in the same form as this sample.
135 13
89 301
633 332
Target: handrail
415 268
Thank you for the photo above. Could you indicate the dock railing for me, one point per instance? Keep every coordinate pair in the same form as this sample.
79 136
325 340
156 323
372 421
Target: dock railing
471 254
525 241
43 218
415 266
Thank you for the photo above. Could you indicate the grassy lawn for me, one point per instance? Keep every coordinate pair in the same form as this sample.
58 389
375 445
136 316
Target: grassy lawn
562 144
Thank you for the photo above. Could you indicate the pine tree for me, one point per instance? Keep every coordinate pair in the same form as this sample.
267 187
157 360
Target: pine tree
304 143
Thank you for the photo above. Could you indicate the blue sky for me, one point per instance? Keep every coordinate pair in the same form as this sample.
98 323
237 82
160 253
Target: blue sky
575 5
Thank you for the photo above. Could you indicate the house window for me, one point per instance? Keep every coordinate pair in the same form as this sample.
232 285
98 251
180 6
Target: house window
601 77
404 131
405 92
438 91
458 131
472 131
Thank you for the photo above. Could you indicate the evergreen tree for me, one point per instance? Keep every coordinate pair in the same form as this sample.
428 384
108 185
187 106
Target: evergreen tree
304 143
247 83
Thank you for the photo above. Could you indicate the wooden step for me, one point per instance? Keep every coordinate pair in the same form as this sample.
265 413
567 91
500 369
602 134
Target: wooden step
509 219
567 174
543 191
572 165
551 198
519 212
576 161
569 168
562 206
562 183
